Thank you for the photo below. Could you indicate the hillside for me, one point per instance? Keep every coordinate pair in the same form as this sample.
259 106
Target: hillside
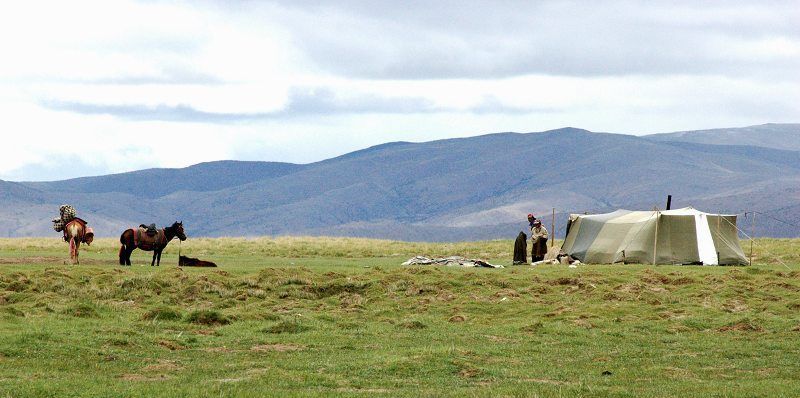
772 135
469 188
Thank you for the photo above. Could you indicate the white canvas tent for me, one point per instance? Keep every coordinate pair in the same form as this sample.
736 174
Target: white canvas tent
681 236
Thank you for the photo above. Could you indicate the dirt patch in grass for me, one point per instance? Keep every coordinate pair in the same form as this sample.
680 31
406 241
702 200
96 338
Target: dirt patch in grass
457 319
742 326
171 345
558 311
163 366
671 315
506 293
629 288
565 282
655 278
734 306
469 372
682 281
276 347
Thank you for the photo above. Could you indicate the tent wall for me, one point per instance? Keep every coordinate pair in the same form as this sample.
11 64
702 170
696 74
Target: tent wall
684 236
677 240
726 239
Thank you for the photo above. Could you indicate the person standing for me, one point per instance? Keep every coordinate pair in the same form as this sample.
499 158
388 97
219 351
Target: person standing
538 241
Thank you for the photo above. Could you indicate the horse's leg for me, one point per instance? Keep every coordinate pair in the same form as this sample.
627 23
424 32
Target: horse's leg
77 251
72 250
158 263
126 257
155 253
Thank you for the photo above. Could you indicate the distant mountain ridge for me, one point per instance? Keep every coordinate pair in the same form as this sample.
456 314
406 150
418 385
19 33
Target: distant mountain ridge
771 135
466 188
209 176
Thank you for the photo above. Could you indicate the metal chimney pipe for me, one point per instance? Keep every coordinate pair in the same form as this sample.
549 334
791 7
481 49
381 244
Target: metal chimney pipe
669 202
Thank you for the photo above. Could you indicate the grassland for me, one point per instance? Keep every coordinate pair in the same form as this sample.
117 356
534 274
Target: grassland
340 317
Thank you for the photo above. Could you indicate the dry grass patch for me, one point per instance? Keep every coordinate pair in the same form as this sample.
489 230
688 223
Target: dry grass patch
277 347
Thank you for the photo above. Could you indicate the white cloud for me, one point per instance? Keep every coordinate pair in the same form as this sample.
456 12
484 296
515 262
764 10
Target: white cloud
120 85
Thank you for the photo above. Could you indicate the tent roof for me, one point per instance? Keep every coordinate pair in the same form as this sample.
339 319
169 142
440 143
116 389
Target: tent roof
624 216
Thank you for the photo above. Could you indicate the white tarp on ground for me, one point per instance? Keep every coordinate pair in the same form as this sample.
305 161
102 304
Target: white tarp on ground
681 236
453 261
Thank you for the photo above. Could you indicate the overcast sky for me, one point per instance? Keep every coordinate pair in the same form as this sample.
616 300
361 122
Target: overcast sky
91 88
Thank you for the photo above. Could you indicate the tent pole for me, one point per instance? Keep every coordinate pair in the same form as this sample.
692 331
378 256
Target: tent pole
553 229
752 235
655 241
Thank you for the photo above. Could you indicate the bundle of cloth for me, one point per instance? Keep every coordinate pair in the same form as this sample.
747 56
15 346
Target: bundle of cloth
557 256
68 214
450 262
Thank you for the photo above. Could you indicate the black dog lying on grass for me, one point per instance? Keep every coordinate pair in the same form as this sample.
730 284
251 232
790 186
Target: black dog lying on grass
184 261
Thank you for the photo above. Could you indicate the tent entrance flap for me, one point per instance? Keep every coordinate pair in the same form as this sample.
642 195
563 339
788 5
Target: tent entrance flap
705 243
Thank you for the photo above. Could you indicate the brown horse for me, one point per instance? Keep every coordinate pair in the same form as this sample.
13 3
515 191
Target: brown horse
76 232
134 238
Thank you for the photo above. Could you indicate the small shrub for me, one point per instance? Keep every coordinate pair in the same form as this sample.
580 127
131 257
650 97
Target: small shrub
207 317
162 314
82 310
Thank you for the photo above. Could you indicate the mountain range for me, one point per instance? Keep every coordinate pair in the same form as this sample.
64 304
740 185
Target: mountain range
468 188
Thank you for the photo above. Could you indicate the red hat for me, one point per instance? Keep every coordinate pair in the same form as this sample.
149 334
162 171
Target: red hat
530 215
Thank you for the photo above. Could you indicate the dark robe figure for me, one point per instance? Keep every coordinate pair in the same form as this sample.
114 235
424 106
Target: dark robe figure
539 249
521 249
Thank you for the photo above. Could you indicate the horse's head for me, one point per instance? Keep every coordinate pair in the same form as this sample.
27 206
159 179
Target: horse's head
178 228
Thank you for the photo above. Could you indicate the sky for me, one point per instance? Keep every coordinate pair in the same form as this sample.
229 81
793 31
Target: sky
98 87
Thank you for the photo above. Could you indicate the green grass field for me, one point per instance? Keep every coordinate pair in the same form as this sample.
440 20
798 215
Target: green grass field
341 317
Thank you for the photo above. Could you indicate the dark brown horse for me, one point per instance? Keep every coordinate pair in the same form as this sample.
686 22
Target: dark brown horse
134 238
